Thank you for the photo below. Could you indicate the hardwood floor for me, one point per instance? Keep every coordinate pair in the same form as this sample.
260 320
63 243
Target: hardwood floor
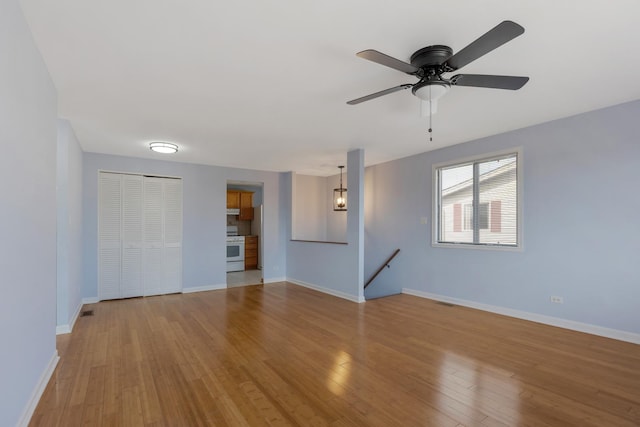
283 355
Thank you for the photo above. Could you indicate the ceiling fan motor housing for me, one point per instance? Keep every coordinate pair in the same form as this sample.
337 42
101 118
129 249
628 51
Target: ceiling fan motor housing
431 58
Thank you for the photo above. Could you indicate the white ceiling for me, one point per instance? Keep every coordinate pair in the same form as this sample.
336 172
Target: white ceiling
263 84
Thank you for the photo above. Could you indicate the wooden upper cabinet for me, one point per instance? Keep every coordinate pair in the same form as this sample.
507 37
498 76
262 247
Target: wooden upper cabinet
246 206
233 199
242 200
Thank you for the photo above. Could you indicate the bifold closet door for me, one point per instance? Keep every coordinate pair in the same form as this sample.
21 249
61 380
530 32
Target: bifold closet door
162 258
172 208
139 236
131 279
109 235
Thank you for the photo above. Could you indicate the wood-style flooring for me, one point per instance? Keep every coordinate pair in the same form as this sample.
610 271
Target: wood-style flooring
283 355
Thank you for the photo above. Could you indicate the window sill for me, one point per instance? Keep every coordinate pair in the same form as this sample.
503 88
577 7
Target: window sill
486 247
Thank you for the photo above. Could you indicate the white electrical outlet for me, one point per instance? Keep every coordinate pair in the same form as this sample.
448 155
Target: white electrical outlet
557 300
423 220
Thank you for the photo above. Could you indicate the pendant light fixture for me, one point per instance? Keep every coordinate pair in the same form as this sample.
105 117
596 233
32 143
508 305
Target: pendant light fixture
340 195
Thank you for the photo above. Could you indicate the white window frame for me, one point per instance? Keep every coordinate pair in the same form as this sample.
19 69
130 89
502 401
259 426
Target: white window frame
517 151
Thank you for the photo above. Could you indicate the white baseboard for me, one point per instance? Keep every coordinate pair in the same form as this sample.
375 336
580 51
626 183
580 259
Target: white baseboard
203 288
90 300
322 289
534 317
63 329
37 392
66 329
274 280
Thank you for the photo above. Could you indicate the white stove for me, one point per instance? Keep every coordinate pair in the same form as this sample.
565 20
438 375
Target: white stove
235 249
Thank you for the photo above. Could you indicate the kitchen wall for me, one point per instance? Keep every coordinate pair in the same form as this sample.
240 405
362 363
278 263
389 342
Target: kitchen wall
69 227
204 218
581 234
28 114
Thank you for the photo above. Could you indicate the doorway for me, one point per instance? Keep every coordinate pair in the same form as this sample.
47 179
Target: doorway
245 219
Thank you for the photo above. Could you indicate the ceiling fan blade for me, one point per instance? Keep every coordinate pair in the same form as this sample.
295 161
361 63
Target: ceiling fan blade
495 82
378 94
492 39
388 61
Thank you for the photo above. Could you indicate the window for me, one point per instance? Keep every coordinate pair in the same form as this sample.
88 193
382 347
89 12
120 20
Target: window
477 202
483 219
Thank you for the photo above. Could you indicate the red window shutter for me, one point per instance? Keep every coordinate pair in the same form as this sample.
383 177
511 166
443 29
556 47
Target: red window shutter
457 217
496 216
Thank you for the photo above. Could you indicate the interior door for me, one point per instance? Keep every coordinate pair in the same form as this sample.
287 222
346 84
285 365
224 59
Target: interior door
172 208
139 235
153 269
131 284
162 258
109 235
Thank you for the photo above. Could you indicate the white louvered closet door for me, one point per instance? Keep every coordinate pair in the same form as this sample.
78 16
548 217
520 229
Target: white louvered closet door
153 269
140 236
109 235
162 260
172 207
131 284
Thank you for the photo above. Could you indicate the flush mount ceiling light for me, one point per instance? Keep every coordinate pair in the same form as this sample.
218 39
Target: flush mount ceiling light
163 147
340 196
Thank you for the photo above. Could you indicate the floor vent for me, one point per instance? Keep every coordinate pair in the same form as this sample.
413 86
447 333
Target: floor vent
86 313
446 304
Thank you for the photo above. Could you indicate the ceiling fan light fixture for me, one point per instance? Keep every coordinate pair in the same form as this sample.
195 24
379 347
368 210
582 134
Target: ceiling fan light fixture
163 147
430 91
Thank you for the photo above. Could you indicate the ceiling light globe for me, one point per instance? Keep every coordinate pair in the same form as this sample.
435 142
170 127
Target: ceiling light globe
431 90
163 147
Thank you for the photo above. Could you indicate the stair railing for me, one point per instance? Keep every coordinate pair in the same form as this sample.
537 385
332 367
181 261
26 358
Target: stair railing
386 264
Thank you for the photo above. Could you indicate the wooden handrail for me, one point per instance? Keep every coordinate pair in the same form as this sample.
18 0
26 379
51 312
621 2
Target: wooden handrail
386 264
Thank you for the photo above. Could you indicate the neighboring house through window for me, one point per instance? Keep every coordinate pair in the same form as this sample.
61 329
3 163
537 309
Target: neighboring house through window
477 202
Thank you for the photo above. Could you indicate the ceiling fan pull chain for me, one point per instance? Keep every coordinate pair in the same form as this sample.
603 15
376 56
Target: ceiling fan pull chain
430 115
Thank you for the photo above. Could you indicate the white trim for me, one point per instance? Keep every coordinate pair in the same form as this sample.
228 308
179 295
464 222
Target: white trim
90 300
66 329
37 392
274 280
203 288
63 329
533 317
138 174
322 289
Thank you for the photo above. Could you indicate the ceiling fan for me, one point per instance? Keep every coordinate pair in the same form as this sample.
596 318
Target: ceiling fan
431 62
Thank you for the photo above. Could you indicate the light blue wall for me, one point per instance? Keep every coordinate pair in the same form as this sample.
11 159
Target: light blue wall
27 220
69 228
204 217
581 232
334 268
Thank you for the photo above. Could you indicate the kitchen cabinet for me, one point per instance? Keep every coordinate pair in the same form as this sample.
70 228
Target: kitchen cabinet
251 252
233 200
242 200
246 206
